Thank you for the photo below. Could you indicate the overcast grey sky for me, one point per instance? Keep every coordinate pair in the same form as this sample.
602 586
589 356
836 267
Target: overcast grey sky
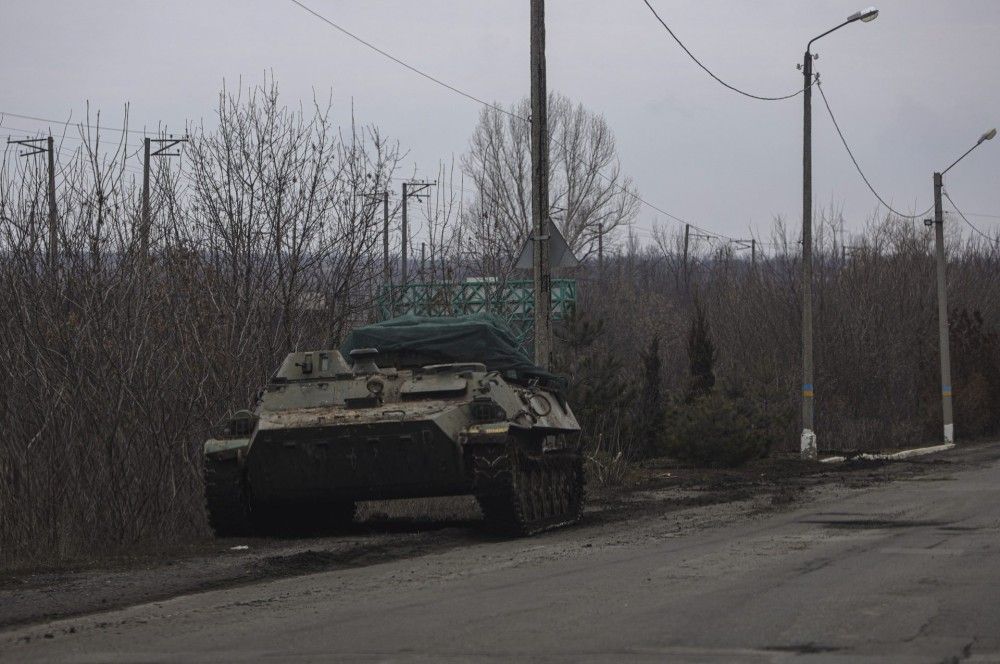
912 90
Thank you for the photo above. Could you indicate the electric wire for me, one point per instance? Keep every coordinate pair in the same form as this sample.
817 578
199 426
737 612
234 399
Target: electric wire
404 64
29 137
969 223
73 153
709 71
439 82
141 132
857 166
494 107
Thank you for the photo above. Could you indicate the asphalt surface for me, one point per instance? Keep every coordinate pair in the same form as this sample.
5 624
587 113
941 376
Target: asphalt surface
908 571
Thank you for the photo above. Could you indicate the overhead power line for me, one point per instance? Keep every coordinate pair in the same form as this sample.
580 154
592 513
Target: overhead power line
970 224
423 74
857 166
489 105
419 72
139 132
59 138
709 71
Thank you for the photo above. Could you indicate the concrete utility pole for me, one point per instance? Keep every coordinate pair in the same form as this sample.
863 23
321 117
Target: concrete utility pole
540 187
144 225
53 212
410 190
944 342
807 443
600 252
403 231
687 240
164 144
35 147
387 275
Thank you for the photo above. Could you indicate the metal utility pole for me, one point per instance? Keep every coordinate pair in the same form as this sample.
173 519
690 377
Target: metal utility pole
410 190
423 260
688 234
164 144
540 187
944 342
35 147
750 244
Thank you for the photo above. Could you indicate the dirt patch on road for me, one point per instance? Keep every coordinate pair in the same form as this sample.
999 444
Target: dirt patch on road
661 484
657 493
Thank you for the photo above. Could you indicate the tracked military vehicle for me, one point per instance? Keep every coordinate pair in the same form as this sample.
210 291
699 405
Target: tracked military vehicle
420 407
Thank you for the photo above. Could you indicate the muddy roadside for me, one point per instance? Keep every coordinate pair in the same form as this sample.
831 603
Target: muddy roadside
656 498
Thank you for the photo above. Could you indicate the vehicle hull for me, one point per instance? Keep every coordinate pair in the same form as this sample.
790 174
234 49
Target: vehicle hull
402 459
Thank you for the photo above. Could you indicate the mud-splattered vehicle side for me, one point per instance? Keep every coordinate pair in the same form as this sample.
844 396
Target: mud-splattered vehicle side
326 434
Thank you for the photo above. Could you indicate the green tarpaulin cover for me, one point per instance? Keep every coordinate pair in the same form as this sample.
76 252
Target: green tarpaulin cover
442 340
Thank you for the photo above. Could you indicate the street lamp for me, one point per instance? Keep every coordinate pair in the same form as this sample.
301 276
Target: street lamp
865 15
808 441
944 342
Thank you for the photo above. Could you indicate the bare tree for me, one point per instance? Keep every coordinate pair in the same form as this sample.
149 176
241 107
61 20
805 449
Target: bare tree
589 191
114 368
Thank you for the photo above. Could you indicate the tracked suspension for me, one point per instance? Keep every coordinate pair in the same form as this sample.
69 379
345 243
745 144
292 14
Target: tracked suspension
521 495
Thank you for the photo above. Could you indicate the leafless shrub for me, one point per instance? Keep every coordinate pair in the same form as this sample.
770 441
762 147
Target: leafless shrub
115 366
607 458
875 327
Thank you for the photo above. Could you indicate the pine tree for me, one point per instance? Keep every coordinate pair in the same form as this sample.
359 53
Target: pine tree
701 355
652 406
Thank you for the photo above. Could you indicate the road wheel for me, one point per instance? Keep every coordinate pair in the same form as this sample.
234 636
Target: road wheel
531 494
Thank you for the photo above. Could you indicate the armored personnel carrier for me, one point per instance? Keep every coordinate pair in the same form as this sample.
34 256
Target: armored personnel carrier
421 407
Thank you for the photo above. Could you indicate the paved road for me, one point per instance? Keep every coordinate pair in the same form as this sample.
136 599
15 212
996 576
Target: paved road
908 571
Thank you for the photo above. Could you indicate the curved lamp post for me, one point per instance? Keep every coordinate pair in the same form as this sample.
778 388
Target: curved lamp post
944 342
808 441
